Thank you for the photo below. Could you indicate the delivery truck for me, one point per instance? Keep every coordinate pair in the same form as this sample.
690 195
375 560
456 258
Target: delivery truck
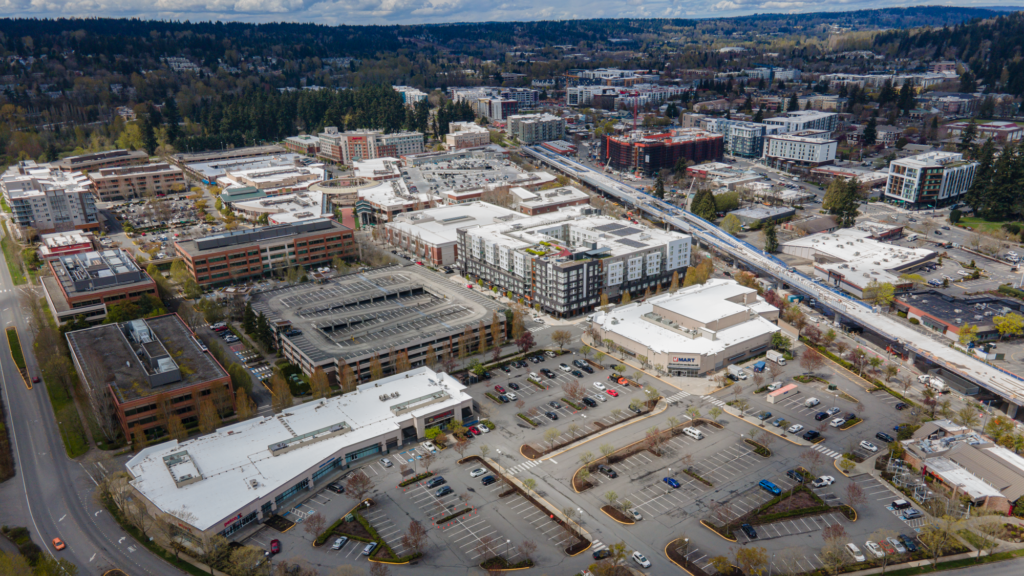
737 371
777 357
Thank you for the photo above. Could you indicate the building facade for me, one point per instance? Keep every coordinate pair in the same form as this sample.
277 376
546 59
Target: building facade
126 182
97 160
803 120
463 135
929 180
304 144
48 199
810 148
357 145
745 139
245 254
535 128
651 153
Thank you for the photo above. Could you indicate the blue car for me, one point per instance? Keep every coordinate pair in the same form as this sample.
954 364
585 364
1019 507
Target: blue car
672 482
772 488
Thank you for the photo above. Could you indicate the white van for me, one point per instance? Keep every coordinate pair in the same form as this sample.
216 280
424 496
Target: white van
693 433
858 556
811 402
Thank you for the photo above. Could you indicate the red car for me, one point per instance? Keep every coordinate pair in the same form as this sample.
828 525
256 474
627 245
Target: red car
500 389
418 263
35 379
474 430
612 393
275 546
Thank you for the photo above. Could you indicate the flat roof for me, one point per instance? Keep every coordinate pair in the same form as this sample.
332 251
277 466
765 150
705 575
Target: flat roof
106 355
257 236
356 315
287 208
87 272
242 463
216 167
704 303
439 226
979 310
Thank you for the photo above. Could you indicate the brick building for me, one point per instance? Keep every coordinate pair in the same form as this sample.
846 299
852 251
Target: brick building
650 153
84 284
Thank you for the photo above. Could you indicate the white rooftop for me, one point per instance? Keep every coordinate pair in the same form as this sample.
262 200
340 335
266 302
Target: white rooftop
287 208
702 303
857 256
438 226
377 167
236 462
544 198
395 193
953 473
27 179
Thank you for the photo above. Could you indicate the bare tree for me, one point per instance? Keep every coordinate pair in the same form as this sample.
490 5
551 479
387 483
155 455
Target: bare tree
415 538
654 440
854 494
358 485
573 429
527 548
573 390
812 460
314 524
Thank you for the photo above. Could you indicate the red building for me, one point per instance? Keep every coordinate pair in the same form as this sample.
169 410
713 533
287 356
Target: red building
650 153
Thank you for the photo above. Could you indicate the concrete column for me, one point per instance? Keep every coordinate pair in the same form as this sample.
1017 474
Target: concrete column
911 356
1011 410
838 319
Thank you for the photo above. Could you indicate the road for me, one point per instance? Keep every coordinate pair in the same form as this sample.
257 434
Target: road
52 495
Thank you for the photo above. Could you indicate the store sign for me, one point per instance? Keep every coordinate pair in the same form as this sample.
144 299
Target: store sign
691 360
233 520
431 419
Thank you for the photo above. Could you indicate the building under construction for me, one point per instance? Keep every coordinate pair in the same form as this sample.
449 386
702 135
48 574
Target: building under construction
650 153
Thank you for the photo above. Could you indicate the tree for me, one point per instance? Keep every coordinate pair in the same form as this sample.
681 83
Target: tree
968 334
812 460
209 420
1009 325
527 548
731 224
870 135
939 534
319 384
149 142
248 561
771 240
550 435
966 416
281 394
175 429
358 485
659 188
752 561
703 204
314 524
674 285
626 298
611 498
377 368
988 525
525 342
967 136
562 338
793 104
879 293
715 412
415 538
654 438
530 484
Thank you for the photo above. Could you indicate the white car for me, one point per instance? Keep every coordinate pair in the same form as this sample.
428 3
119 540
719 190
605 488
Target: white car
874 549
837 422
823 481
478 472
429 446
962 272
386 462
795 428
339 543
641 560
483 428
896 545
600 386
868 446
636 514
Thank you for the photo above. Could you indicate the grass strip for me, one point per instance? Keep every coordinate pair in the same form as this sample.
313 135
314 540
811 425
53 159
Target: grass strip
573 404
453 516
415 479
528 419
13 256
696 476
15 344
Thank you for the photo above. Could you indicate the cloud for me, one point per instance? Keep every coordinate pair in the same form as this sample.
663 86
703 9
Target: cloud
431 11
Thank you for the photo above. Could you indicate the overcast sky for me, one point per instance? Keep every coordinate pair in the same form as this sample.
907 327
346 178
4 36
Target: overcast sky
433 11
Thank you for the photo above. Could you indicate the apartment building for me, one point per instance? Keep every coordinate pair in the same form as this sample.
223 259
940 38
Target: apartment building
998 130
97 160
466 135
86 283
410 96
123 183
356 145
929 180
535 128
803 120
770 75
245 254
564 261
49 200
745 139
808 148
650 153
431 235
495 108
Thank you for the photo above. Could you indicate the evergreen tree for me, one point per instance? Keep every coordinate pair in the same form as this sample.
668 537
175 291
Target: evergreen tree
263 332
148 136
967 137
968 83
870 135
248 319
906 99
982 177
846 208
771 240
759 116
703 204
794 103
1003 196
173 118
659 188
886 94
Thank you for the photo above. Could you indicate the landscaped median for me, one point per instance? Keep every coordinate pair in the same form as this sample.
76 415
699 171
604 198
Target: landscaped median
759 449
795 503
850 423
14 343
353 526
415 479
527 419
617 515
533 452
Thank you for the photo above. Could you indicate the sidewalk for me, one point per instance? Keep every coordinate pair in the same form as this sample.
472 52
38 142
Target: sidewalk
660 407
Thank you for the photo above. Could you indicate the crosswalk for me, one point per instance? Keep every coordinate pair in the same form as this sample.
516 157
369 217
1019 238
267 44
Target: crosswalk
523 467
683 394
677 396
827 451
536 329
597 545
715 401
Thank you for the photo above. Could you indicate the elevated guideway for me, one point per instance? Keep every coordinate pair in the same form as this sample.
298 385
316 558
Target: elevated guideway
1000 382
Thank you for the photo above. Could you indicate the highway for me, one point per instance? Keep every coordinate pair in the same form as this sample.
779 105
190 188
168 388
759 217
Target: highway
1002 383
52 495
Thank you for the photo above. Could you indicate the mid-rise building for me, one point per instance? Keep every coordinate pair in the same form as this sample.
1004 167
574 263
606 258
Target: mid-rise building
809 148
695 330
49 200
126 182
246 254
1000 131
86 283
356 145
410 96
304 144
546 201
535 128
653 152
146 370
97 160
803 120
564 261
929 180
745 139
466 135
432 235
771 75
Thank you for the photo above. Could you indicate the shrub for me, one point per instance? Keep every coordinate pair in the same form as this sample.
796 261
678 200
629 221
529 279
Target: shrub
954 216
528 419
915 321
1012 227
415 479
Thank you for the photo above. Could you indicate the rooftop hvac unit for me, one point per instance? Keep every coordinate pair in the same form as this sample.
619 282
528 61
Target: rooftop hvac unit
253 483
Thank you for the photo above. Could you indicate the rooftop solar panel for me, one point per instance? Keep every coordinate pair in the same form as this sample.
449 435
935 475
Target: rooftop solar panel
632 243
608 227
625 231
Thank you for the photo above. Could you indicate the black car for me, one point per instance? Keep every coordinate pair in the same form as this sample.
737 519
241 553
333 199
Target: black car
548 373
589 402
554 404
577 373
578 363
487 375
811 435
506 369
504 399
636 409
552 415
606 471
602 554
534 360
435 482
732 377
336 488
908 542
488 480
849 416
901 406
796 476
749 531
513 385
588 369
821 416
885 437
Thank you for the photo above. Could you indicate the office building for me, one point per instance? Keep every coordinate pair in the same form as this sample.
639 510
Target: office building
650 153
804 120
695 330
563 261
246 254
52 246
463 135
146 370
535 128
929 180
86 283
745 139
308 145
49 200
97 160
809 148
355 145
245 472
128 182
545 201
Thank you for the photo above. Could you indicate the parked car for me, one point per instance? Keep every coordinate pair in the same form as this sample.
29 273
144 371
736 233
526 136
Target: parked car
606 471
896 545
911 514
823 481
436 481
795 428
500 389
443 491
868 446
637 516
749 531
504 399
885 437
671 482
602 554
874 549
577 374
811 435
796 476
612 393
764 416
386 462
821 416
641 560
769 487
901 406
275 546
551 415
600 386
565 367
336 488
778 421
554 405
908 542
513 385
339 543
833 411
474 430
488 480
477 472
837 422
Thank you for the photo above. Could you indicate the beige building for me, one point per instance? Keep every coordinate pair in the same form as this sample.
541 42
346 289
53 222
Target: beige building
694 331
126 182
466 135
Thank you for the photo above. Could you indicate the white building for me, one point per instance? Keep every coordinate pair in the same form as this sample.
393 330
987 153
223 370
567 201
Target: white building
356 145
245 472
808 148
274 180
45 198
535 128
410 95
432 235
696 330
929 180
803 120
284 209
466 135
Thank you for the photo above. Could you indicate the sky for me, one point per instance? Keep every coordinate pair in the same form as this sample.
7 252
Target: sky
438 11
